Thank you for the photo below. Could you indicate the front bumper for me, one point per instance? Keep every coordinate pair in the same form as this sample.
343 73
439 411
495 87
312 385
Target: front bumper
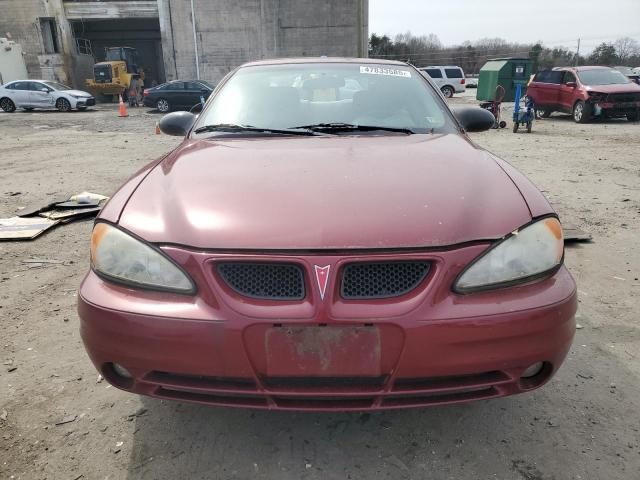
84 102
613 109
435 347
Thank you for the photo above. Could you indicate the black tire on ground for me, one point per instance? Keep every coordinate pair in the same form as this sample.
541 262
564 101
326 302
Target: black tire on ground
163 105
63 105
581 112
543 112
516 125
447 91
7 105
502 124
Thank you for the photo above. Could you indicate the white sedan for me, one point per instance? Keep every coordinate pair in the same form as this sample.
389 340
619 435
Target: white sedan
30 94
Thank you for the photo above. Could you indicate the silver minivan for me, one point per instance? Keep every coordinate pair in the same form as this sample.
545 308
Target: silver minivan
449 78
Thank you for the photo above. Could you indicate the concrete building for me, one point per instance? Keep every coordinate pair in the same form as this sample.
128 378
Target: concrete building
62 39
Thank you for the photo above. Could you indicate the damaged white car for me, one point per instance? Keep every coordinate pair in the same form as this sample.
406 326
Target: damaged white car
30 94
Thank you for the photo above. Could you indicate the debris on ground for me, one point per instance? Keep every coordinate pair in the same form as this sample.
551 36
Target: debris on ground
43 262
18 228
67 419
65 213
32 221
3 415
575 235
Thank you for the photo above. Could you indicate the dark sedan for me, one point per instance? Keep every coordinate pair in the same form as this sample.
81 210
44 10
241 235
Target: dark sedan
177 95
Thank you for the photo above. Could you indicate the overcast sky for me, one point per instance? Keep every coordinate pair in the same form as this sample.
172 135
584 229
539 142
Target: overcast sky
555 22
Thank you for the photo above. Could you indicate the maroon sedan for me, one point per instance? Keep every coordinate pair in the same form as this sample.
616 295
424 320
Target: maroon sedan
327 237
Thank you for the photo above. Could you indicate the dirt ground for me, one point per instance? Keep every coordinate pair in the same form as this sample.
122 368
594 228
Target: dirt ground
57 421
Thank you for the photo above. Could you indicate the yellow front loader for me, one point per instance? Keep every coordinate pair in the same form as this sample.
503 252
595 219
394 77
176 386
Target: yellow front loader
119 74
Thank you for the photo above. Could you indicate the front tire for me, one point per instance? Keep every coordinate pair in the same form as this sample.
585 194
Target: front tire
543 112
163 105
63 105
447 91
581 112
7 105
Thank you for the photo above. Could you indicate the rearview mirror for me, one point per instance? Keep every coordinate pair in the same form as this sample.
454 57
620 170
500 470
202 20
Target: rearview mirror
474 119
177 123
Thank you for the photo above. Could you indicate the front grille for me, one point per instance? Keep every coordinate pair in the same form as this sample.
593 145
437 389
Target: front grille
382 279
270 281
339 384
102 73
335 393
623 97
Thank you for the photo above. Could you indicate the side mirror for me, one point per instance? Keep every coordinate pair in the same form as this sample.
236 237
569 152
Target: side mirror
177 123
571 84
45 90
474 119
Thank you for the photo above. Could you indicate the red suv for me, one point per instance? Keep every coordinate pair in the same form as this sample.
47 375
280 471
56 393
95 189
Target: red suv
585 92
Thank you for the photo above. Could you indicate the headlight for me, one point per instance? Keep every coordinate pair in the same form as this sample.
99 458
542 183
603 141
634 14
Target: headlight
532 251
125 259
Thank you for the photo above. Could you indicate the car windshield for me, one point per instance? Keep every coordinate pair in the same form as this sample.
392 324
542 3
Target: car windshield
329 95
56 86
602 77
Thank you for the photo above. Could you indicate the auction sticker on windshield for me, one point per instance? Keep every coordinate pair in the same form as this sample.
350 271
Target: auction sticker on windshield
394 72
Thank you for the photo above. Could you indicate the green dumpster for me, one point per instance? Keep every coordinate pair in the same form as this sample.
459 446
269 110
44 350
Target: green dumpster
507 72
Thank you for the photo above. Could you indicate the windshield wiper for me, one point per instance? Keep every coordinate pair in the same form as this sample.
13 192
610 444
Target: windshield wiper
350 127
233 128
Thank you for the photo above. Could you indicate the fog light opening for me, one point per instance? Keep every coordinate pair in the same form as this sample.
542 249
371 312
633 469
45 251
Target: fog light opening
117 375
533 370
535 375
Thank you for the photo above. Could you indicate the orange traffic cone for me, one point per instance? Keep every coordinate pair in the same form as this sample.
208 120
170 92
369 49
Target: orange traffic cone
157 128
123 109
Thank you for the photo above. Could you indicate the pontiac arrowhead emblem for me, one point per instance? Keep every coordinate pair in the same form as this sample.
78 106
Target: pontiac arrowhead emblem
322 276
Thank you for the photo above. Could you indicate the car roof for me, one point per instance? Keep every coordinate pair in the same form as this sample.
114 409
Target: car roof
592 67
302 60
442 66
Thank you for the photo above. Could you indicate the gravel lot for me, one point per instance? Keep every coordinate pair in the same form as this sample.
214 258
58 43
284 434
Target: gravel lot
585 424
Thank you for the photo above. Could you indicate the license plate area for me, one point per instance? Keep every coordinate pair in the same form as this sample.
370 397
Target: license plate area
323 351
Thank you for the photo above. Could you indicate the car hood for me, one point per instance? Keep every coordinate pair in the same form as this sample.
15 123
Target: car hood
617 88
337 192
78 93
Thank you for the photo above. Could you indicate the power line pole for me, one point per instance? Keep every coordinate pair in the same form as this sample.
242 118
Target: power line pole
577 53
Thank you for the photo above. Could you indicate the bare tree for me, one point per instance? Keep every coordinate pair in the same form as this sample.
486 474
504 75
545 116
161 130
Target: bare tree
626 47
